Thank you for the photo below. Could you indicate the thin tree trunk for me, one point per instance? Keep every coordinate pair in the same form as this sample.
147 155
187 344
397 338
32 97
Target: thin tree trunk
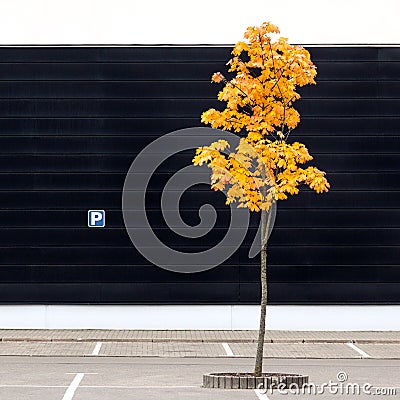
261 333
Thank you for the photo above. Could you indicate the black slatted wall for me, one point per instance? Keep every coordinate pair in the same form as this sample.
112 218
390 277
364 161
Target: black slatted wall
72 120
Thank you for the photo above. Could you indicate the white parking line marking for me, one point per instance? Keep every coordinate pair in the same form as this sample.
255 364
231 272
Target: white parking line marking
140 387
261 395
33 386
69 394
86 373
101 386
97 348
227 349
358 350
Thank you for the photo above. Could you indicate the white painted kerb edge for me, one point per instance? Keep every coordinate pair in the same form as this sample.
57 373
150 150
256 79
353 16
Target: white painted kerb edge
228 317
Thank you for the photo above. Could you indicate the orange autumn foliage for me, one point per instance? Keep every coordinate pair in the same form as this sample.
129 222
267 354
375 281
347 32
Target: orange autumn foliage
259 106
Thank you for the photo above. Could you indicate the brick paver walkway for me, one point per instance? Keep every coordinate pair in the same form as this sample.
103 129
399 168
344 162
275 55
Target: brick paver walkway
68 335
124 343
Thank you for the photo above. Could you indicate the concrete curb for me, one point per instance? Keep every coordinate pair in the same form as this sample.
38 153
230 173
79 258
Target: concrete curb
178 340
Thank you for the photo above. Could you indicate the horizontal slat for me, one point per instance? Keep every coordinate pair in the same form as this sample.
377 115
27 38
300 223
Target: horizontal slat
103 199
286 218
324 274
177 53
92 255
117 273
188 108
152 71
326 255
344 53
84 54
65 163
114 144
356 145
155 71
109 89
84 236
354 126
324 293
223 273
165 293
181 89
155 293
353 182
313 255
389 53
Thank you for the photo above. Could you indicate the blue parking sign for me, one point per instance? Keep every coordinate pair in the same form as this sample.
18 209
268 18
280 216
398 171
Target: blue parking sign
96 218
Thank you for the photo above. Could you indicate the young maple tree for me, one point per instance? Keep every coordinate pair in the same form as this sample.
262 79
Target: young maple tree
264 167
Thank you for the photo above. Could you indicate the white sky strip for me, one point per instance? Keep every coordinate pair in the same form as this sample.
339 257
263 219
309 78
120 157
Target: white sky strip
227 349
205 22
69 394
97 349
358 350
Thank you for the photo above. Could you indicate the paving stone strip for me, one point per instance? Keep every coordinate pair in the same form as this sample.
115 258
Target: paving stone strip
36 335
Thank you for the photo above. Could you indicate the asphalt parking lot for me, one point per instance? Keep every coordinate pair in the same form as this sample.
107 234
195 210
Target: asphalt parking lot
83 365
109 378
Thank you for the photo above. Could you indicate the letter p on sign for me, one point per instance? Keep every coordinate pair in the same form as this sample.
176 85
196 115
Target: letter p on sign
96 218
